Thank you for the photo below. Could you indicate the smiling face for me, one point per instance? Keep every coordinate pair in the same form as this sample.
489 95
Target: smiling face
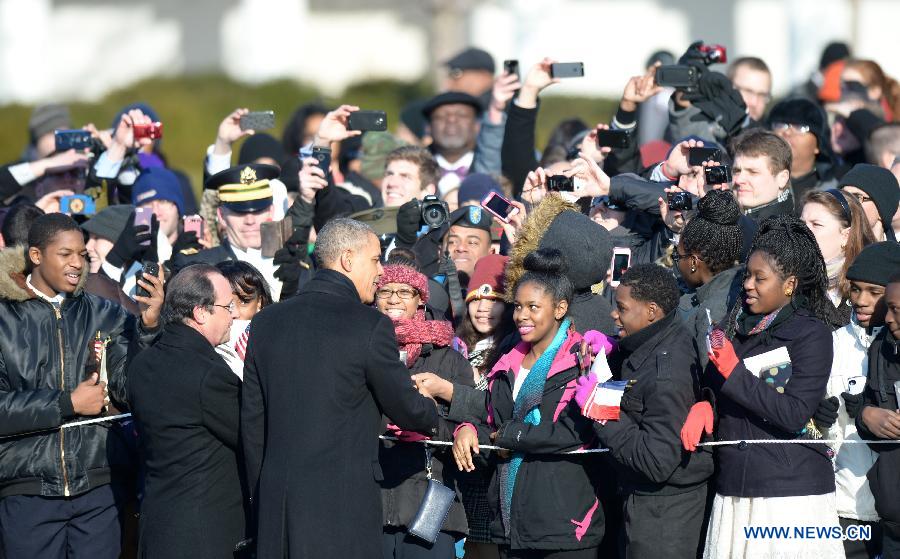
59 266
398 300
764 288
243 229
754 183
868 303
97 249
830 233
466 245
402 182
632 315
485 315
535 314
454 127
363 267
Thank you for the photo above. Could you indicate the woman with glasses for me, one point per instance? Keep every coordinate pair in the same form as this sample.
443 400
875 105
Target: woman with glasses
839 225
424 346
877 191
250 293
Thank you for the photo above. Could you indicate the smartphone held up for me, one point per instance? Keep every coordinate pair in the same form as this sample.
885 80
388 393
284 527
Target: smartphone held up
499 207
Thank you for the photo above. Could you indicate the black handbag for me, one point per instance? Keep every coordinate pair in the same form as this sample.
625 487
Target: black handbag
434 508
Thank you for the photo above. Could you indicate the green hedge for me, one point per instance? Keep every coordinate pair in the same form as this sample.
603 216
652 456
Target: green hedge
191 108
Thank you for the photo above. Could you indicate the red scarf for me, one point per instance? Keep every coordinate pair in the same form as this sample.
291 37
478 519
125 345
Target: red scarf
413 332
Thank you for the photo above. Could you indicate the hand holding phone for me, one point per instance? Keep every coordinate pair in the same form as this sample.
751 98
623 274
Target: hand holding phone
612 138
567 70
500 207
621 261
697 156
143 217
152 131
511 67
151 269
258 120
72 139
194 223
366 121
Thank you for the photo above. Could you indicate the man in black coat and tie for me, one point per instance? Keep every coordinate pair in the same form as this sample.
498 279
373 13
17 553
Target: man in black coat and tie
185 402
320 370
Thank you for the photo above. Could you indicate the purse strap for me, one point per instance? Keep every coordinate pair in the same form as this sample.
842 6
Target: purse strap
427 462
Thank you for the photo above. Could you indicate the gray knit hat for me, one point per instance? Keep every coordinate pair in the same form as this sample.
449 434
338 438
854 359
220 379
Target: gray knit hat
109 222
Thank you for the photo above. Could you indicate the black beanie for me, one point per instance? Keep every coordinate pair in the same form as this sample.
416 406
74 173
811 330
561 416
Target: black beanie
803 111
876 263
881 186
261 145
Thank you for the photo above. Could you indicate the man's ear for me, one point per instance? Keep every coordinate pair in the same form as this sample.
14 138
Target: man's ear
219 217
654 313
782 178
200 315
346 261
34 254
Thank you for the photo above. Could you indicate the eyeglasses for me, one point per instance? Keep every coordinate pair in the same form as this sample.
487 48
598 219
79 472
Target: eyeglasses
676 257
229 307
796 128
405 294
860 197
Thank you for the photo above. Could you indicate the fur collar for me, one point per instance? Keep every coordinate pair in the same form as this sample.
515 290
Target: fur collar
12 275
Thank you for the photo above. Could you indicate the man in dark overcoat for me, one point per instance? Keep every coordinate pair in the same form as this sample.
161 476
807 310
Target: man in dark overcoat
320 370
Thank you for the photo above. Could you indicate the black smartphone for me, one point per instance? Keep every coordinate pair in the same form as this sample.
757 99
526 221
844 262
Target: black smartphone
151 269
612 138
323 159
679 76
719 174
560 183
375 121
72 139
511 67
567 70
696 156
258 120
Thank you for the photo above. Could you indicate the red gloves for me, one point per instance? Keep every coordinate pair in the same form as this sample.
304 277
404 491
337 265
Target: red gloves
699 420
405 436
722 354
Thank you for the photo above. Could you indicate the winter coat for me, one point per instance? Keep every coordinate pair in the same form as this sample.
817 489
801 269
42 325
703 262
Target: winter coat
44 354
884 371
645 441
403 463
319 371
748 408
717 295
185 403
851 461
555 504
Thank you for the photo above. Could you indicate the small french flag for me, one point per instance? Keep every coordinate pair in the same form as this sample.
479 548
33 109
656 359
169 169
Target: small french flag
604 402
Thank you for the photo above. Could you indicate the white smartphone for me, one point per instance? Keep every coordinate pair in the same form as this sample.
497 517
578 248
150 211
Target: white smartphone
621 261
856 384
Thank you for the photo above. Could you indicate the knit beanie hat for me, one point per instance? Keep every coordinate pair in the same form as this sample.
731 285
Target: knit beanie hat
261 145
487 279
476 186
881 186
47 118
398 273
109 222
876 263
804 111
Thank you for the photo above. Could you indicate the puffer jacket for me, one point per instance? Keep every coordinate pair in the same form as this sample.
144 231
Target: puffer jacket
555 504
44 352
403 463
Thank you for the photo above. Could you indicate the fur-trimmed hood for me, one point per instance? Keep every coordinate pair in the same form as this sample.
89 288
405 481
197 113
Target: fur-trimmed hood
12 275
556 223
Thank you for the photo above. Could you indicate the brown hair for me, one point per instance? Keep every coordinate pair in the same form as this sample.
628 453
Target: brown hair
874 76
421 158
756 142
860 232
750 62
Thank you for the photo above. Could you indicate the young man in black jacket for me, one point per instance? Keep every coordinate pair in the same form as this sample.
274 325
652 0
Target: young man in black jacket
60 487
664 487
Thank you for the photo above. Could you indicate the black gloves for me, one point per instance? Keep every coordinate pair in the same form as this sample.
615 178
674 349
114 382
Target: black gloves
187 240
291 260
128 247
693 56
827 413
409 216
853 402
718 101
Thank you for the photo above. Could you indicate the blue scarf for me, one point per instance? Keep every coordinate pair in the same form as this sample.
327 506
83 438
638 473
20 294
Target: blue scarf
527 408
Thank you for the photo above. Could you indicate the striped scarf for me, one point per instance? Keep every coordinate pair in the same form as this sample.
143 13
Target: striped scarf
527 408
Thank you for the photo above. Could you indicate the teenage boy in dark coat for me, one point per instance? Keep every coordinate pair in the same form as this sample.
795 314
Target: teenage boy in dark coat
664 486
320 370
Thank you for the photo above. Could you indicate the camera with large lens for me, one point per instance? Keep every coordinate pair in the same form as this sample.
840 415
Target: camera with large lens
685 75
435 212
680 201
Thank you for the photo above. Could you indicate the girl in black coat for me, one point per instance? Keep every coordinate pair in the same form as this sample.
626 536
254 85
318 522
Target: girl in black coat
543 502
424 347
769 369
